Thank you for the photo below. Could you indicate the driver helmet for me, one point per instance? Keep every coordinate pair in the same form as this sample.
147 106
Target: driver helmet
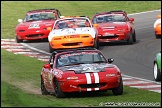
36 16
100 19
62 25
63 61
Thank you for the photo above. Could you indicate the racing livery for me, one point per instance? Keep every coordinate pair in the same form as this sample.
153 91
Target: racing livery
157 27
35 24
157 67
72 32
80 70
114 26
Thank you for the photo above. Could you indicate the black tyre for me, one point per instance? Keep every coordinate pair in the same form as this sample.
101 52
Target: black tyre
50 49
96 44
130 40
157 75
43 89
134 36
18 40
58 92
119 89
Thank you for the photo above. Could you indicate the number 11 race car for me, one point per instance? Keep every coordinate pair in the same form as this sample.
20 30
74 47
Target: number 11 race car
80 70
35 24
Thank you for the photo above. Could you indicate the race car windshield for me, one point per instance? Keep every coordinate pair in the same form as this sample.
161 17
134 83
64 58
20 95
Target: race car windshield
108 18
72 23
40 16
77 58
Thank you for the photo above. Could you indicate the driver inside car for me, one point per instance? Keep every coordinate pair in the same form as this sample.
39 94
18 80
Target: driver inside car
63 61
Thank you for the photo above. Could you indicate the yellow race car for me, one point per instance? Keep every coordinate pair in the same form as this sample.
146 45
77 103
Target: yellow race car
72 32
157 27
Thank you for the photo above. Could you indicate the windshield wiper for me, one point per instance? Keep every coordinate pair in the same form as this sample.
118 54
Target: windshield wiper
99 62
77 63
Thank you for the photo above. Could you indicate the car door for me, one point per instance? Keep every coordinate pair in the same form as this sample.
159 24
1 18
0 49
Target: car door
47 75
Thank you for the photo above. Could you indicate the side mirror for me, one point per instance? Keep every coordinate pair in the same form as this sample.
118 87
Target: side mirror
49 28
20 20
110 60
131 19
47 66
159 16
62 16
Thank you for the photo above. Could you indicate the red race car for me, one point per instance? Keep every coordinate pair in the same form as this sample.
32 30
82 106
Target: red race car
80 70
34 26
114 26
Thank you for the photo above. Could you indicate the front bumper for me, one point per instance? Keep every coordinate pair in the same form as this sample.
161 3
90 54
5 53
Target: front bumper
115 37
82 86
33 35
72 42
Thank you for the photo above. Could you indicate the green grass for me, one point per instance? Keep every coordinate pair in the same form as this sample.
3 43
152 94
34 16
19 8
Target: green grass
20 75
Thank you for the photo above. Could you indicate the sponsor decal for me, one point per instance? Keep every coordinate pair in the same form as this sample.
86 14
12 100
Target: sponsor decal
58 73
73 54
71 36
40 13
108 15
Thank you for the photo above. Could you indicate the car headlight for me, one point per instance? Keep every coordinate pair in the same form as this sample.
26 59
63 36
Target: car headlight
121 30
109 75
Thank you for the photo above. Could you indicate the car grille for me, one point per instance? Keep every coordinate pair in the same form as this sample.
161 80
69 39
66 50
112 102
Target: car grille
97 85
108 37
72 44
34 35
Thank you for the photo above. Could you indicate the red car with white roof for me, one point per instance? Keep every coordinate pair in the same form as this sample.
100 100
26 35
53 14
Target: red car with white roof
80 70
114 26
35 24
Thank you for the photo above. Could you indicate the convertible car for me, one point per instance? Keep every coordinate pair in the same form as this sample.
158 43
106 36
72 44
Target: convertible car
80 70
34 26
157 67
157 27
72 32
114 26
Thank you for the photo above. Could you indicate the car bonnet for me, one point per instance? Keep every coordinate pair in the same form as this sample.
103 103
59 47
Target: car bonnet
73 31
83 68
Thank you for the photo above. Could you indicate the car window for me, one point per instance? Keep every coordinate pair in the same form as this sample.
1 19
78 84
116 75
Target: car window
72 23
40 16
109 18
76 58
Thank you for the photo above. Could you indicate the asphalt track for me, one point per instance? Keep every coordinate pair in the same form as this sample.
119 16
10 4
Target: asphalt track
134 60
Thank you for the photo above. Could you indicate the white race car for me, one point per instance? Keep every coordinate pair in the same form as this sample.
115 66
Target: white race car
72 32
